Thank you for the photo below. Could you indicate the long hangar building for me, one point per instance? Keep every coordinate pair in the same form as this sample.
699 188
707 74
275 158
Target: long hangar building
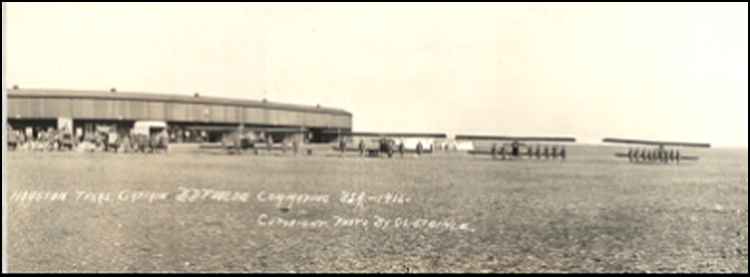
188 117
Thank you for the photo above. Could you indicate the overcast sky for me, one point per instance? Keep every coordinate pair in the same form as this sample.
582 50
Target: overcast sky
634 70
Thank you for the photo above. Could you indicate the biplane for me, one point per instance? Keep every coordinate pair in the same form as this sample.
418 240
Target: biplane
238 139
511 147
375 144
655 151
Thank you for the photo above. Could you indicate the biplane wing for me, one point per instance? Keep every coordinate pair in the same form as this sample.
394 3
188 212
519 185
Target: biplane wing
373 148
259 147
374 143
659 154
656 143
688 158
279 130
516 143
512 138
243 137
386 134
479 152
274 130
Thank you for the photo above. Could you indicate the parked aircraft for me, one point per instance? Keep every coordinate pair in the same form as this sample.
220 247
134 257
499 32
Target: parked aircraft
656 151
374 144
510 147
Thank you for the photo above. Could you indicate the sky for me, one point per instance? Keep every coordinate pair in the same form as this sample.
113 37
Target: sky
669 71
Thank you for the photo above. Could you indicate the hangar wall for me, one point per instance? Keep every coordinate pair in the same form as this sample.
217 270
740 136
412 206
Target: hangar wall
98 105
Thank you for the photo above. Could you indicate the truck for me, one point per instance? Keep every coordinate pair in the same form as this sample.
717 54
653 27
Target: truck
150 136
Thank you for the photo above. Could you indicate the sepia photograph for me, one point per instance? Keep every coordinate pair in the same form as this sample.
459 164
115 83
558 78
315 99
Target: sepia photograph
373 137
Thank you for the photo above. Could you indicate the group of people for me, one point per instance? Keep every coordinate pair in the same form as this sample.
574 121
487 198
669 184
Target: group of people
386 146
236 143
51 140
143 143
182 135
285 145
537 152
653 155
45 140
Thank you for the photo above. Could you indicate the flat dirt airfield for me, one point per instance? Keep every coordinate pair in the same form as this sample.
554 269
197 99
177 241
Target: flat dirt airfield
591 213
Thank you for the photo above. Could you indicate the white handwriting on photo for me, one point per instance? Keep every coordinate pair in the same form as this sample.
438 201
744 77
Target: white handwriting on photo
276 200
376 222
189 195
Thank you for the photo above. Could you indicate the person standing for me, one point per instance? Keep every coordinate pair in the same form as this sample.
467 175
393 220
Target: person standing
515 149
269 143
630 155
671 155
494 151
342 146
283 146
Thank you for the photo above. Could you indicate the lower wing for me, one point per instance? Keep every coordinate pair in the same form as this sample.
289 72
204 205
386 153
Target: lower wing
687 158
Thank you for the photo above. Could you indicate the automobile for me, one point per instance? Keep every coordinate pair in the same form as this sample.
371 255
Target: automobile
150 135
65 141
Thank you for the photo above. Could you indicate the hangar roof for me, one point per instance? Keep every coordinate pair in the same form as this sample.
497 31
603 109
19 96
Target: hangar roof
118 95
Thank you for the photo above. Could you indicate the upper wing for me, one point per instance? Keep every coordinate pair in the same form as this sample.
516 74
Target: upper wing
509 138
279 130
249 129
212 128
657 143
386 134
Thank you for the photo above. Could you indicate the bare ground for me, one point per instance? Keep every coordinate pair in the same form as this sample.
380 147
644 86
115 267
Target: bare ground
592 213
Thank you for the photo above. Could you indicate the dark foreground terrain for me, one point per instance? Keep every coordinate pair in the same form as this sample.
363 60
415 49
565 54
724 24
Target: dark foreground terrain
592 213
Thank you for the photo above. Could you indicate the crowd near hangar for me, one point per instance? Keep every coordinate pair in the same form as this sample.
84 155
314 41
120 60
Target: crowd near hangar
187 118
